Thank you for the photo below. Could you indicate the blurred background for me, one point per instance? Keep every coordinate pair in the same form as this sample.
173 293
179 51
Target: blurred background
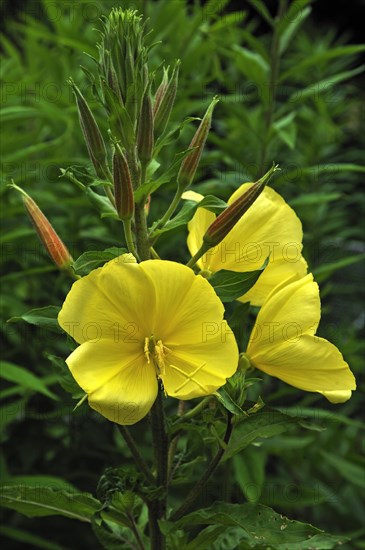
291 91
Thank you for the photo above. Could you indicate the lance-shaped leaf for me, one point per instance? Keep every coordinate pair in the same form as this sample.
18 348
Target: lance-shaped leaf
93 138
223 224
190 164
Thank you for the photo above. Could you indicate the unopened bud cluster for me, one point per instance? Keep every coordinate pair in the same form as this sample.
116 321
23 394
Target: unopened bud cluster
138 118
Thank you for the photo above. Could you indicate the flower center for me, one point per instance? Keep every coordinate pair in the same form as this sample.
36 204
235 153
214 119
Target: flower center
155 350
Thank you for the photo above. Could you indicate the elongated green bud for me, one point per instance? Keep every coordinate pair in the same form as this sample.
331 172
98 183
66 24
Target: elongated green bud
123 190
48 236
223 224
145 129
165 101
93 138
190 163
160 91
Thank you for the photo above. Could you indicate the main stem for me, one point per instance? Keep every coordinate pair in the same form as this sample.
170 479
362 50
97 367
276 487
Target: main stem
156 507
197 489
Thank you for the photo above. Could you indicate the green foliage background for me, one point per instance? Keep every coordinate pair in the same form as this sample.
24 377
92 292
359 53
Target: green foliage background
312 129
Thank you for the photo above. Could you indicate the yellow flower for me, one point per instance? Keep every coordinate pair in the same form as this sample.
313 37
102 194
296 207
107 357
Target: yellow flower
283 343
137 323
269 228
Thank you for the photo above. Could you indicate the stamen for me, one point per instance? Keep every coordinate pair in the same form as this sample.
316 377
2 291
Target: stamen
146 349
158 352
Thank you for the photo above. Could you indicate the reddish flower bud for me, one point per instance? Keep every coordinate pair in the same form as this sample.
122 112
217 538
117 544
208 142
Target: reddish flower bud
190 163
48 236
223 224
123 189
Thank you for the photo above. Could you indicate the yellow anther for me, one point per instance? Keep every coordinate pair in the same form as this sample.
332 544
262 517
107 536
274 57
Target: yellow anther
146 349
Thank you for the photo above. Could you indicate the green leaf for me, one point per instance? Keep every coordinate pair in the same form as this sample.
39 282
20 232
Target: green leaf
111 535
211 539
229 20
101 203
211 203
230 285
65 378
173 135
254 67
286 129
310 199
24 378
323 56
265 423
41 501
228 403
25 537
290 23
260 6
52 482
327 269
323 86
94 258
261 527
349 470
151 186
44 317
249 468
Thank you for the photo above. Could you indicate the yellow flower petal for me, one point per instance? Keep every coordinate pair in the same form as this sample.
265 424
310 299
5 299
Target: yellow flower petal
110 302
129 396
293 310
308 363
283 344
269 228
197 228
200 369
186 303
337 396
275 273
192 196
147 316
120 384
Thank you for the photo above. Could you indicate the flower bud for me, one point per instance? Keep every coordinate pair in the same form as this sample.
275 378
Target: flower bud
223 224
164 100
123 56
145 129
123 189
48 236
93 138
160 91
190 163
